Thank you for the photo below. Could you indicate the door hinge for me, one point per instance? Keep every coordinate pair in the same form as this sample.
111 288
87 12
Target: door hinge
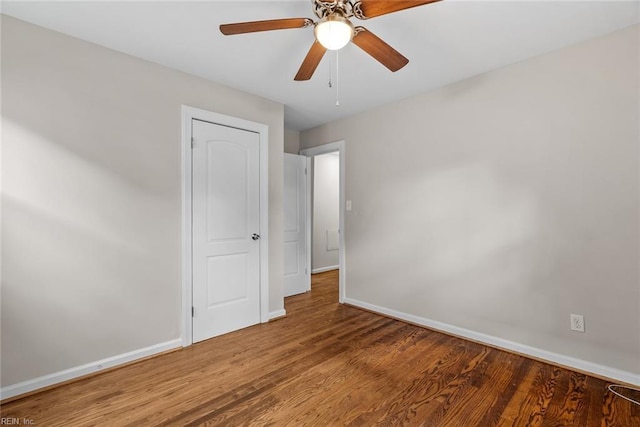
193 143
305 171
193 312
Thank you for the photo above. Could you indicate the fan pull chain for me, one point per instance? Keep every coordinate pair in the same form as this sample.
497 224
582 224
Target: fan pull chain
337 78
330 71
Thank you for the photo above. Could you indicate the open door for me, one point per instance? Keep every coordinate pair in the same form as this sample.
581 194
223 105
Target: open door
296 271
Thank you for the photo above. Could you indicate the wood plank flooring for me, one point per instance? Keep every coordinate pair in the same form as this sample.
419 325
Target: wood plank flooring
331 365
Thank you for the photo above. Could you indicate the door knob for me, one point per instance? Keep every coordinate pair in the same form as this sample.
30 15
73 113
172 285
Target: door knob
255 236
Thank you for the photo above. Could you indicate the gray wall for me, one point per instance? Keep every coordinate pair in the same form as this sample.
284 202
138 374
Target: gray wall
92 198
503 203
291 141
326 210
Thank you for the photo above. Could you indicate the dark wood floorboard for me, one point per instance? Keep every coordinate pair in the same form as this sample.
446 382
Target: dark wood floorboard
327 364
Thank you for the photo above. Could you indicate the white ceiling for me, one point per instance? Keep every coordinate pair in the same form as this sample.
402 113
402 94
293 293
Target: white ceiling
445 42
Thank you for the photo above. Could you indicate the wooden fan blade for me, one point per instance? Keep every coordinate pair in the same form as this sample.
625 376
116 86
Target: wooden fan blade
373 8
273 24
311 61
381 51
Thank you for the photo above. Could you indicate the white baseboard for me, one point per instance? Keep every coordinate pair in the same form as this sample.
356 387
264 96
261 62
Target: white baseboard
89 368
323 269
555 358
277 313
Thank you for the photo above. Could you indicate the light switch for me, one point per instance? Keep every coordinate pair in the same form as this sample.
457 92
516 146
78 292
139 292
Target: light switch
348 205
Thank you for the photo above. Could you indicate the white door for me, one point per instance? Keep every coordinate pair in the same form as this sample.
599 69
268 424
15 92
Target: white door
296 278
226 229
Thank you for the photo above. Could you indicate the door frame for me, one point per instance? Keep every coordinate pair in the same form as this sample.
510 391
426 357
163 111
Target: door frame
189 114
310 153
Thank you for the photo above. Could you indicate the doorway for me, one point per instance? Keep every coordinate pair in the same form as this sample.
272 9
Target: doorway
329 237
325 230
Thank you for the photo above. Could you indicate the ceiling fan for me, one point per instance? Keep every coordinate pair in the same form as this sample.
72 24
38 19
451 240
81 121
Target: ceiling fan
334 30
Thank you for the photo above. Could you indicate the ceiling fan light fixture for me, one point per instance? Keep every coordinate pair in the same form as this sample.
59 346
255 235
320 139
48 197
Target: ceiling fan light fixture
334 32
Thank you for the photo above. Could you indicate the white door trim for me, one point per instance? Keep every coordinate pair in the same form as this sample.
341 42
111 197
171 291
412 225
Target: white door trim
315 151
189 114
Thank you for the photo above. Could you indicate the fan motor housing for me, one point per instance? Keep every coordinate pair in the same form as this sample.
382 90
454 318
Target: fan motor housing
325 8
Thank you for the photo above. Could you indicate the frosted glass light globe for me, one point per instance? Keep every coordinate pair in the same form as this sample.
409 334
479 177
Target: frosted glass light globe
334 32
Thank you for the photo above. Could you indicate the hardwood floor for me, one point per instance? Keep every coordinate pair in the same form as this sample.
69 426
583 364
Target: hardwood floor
331 365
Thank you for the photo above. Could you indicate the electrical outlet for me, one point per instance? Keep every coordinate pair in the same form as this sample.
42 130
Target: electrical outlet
577 322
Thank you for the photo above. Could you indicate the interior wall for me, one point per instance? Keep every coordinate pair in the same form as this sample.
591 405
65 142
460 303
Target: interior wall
91 198
326 212
291 141
505 202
